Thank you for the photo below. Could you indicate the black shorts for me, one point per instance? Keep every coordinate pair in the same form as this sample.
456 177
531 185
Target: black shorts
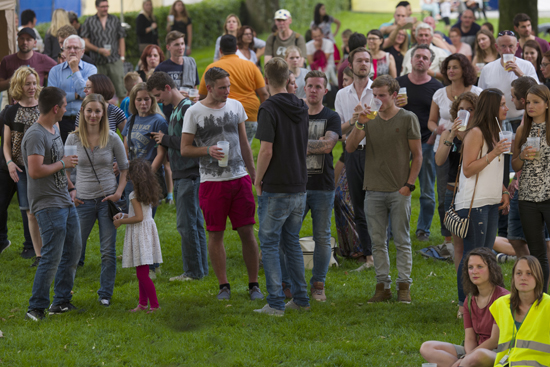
446 20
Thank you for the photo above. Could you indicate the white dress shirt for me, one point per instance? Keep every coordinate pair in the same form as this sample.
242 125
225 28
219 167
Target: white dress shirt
346 100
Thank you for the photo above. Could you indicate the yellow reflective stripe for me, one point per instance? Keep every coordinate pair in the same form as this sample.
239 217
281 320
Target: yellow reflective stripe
527 363
503 346
533 345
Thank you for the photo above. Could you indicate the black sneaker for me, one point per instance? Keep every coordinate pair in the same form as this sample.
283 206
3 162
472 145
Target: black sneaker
35 315
4 246
28 253
36 262
61 308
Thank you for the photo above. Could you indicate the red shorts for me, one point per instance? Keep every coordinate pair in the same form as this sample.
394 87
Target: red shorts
220 199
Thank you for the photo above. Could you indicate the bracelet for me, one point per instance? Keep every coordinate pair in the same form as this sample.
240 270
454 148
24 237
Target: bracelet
359 128
505 193
8 163
63 163
448 143
122 58
207 150
72 189
487 158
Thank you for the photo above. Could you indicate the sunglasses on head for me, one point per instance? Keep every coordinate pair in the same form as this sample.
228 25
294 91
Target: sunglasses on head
506 33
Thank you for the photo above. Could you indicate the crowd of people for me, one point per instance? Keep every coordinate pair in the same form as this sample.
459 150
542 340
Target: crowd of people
458 111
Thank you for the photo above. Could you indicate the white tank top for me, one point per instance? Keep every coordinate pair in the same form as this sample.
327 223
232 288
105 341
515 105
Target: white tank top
489 184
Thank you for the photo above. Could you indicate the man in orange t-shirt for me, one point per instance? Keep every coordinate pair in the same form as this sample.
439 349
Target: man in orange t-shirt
247 83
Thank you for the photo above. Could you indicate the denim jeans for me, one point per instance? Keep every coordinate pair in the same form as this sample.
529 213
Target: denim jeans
191 228
442 173
88 212
280 217
377 207
61 247
7 189
426 177
321 204
482 232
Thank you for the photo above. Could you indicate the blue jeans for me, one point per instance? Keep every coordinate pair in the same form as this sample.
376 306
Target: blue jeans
481 233
280 217
88 212
191 228
378 205
426 177
61 246
321 204
442 173
7 189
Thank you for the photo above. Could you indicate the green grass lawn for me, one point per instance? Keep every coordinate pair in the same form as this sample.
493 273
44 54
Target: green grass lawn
194 329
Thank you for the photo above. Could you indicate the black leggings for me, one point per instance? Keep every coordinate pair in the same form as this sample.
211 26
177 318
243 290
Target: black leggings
533 217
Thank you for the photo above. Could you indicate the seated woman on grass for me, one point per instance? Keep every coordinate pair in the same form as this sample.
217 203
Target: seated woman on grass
482 281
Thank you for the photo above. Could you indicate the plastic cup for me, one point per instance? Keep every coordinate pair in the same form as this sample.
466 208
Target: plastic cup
184 90
70 150
171 19
479 66
429 364
535 143
193 93
107 47
464 116
374 107
224 146
506 58
508 135
403 93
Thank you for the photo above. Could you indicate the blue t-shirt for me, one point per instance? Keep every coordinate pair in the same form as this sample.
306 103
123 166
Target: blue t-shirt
124 105
141 144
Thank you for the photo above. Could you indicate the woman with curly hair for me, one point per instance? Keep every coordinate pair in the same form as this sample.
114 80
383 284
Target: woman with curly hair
150 58
182 23
141 244
96 183
482 280
522 318
24 88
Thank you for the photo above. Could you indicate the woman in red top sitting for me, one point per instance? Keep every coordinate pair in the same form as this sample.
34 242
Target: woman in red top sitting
482 281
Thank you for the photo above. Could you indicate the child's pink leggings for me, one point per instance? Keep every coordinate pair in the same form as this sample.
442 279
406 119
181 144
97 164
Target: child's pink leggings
146 287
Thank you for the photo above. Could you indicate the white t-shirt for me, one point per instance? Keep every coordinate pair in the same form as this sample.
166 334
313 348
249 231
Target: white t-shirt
253 56
493 75
211 125
327 47
445 9
444 103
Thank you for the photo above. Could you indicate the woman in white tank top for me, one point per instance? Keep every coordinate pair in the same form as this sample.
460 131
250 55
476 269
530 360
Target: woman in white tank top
482 159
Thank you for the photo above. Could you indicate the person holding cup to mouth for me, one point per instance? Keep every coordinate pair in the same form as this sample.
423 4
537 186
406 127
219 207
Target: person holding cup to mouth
480 193
534 200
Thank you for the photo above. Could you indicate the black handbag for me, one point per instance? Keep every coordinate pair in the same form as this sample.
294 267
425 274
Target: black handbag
113 208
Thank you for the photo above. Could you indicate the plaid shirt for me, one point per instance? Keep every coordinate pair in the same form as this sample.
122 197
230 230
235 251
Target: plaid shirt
93 30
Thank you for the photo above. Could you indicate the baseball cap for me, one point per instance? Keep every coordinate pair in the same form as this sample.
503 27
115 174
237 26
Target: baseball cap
282 14
27 31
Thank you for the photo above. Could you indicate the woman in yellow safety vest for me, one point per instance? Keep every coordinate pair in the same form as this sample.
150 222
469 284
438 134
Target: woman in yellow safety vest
522 318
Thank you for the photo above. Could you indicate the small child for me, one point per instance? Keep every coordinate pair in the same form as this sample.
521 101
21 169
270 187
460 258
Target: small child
130 79
141 244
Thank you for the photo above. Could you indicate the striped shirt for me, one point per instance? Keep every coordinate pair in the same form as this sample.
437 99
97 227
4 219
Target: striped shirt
93 30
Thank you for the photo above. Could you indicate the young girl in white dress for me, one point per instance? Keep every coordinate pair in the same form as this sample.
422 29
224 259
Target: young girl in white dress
141 244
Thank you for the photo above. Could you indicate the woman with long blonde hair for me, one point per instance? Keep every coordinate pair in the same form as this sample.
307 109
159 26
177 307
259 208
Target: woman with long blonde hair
96 184
60 18
24 88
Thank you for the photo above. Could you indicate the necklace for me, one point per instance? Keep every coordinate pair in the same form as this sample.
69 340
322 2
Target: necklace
453 95
488 299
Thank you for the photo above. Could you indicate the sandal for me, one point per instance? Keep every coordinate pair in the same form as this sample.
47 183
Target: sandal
138 308
153 310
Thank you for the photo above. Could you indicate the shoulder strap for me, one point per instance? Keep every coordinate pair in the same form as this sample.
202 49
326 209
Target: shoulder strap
129 136
456 181
93 169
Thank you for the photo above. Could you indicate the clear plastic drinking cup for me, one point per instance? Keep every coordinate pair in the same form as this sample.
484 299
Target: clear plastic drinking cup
374 108
535 143
185 90
193 93
464 116
70 150
508 135
224 146
506 58
107 47
171 19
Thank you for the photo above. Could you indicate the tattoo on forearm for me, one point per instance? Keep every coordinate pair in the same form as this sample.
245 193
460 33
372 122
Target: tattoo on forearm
319 146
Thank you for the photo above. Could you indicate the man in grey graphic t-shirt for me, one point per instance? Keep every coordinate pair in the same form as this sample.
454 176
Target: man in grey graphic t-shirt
226 187
51 202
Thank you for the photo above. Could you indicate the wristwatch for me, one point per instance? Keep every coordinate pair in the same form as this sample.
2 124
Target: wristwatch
411 187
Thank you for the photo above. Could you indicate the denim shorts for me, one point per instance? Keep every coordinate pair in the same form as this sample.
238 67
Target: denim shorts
22 196
515 229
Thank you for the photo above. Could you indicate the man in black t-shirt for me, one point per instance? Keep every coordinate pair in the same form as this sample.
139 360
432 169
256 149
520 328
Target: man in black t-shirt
420 90
324 132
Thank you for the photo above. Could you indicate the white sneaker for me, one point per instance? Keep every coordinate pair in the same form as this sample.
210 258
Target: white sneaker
365 266
181 278
152 274
270 311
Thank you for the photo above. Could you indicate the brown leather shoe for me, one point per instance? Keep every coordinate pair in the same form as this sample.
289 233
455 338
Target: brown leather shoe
318 291
381 294
403 293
